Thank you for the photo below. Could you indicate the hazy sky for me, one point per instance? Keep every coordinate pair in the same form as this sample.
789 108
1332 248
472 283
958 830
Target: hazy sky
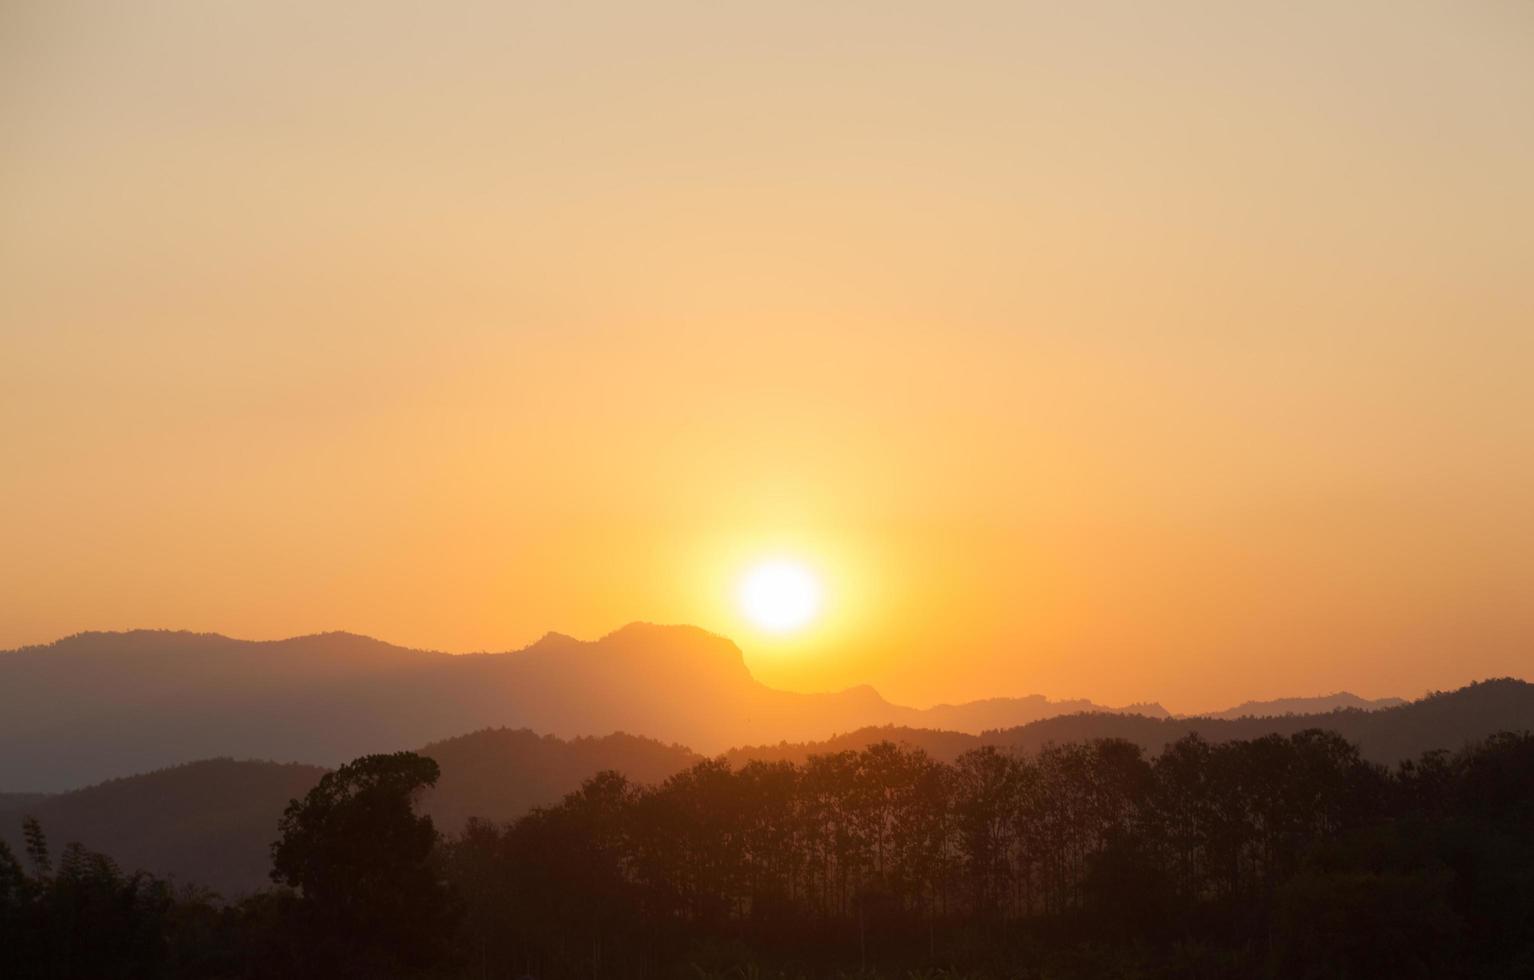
1123 350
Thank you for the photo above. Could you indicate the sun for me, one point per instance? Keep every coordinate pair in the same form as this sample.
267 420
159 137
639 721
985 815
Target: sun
780 596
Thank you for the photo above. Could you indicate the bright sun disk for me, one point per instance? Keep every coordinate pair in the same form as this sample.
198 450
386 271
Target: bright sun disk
780 596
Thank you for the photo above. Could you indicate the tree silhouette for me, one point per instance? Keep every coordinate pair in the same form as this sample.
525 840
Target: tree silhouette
361 859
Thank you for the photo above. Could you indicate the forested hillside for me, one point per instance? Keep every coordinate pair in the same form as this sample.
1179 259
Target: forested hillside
211 822
1276 857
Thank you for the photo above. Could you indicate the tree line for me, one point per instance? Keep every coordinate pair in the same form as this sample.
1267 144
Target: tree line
1272 857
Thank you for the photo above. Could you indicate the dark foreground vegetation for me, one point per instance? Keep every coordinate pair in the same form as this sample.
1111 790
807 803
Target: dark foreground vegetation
1283 857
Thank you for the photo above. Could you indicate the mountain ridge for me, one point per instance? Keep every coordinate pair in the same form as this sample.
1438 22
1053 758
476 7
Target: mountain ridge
1304 705
102 704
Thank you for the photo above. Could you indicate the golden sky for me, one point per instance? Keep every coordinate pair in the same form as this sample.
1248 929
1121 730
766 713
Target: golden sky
1174 351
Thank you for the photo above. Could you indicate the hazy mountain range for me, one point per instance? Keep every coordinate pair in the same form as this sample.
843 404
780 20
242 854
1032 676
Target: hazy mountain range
99 705
1385 735
1302 706
211 821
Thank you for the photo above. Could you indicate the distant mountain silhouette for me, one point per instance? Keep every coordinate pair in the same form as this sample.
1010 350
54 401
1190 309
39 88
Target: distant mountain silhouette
1387 735
99 705
945 746
978 716
499 774
1445 720
1303 706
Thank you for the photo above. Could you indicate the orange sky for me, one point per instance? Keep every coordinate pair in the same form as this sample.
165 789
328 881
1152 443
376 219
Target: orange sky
1132 351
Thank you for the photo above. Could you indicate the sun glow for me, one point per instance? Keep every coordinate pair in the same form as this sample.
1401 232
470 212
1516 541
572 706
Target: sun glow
780 596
